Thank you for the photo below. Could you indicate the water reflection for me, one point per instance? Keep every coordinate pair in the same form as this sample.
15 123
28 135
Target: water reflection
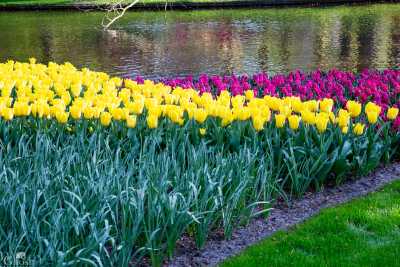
157 44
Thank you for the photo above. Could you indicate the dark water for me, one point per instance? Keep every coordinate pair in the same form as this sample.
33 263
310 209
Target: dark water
156 44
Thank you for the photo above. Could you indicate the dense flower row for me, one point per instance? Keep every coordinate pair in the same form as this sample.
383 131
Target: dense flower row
63 93
104 171
380 87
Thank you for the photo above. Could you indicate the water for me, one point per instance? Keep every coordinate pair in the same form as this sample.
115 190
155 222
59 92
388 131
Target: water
159 44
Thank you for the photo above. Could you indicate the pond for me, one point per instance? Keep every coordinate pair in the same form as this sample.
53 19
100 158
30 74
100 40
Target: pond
159 44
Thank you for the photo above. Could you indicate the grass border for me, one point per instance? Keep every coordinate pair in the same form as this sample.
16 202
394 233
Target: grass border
185 5
362 232
283 217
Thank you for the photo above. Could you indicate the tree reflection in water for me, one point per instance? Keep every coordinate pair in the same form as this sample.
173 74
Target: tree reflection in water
155 44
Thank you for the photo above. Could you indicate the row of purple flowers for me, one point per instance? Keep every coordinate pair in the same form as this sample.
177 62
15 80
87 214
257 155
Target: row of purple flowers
381 87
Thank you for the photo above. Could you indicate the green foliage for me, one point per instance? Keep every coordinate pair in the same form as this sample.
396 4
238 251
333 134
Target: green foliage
84 194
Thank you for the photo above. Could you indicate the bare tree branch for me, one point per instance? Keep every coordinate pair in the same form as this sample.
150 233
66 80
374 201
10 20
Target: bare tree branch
116 11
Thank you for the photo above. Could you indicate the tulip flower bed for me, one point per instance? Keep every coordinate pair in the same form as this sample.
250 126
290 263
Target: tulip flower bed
382 88
100 170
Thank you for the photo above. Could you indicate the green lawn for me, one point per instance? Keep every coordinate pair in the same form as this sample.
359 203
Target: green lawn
67 2
35 2
364 232
103 2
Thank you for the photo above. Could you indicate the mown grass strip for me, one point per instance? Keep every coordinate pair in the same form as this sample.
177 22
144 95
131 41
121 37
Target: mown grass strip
363 232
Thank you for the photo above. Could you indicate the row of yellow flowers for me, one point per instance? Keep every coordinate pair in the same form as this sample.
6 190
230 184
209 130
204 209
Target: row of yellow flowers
62 92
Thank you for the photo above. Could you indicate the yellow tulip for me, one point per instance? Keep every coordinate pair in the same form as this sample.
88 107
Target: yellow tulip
343 119
125 95
105 118
370 106
62 117
238 101
358 129
392 113
249 94
308 117
296 104
117 113
150 102
190 113
76 112
152 121
136 107
256 103
343 112
21 109
224 101
66 98
322 122
372 117
131 121
76 89
285 110
258 123
226 120
272 102
280 120
345 130
88 113
175 116
200 115
255 111
155 110
326 105
244 113
96 112
266 113
206 99
294 122
202 131
354 108
222 111
7 113
312 105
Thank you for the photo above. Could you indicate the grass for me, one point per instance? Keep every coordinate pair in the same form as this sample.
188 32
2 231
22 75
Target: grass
102 2
33 2
96 2
364 232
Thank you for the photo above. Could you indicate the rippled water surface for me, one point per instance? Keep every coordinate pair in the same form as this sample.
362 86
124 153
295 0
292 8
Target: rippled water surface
155 44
